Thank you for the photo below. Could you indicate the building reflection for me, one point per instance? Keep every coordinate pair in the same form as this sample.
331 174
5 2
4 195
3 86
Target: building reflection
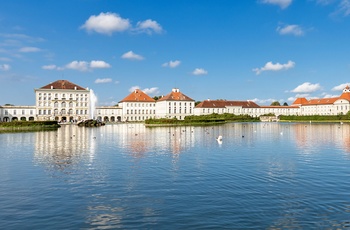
62 148
312 136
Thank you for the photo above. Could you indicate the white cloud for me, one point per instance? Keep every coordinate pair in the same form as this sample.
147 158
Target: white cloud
330 96
290 30
99 64
5 67
269 66
106 23
151 91
132 56
281 3
5 58
172 64
340 87
299 95
263 101
78 65
103 80
29 49
306 87
133 88
291 99
149 26
199 71
49 67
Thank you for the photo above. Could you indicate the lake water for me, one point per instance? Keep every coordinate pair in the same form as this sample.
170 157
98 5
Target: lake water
261 176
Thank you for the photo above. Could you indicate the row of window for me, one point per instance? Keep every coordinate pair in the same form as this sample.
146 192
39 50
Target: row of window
62 112
64 104
140 105
140 111
180 111
15 112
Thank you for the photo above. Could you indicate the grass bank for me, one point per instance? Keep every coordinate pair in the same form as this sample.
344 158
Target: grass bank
316 118
202 120
18 126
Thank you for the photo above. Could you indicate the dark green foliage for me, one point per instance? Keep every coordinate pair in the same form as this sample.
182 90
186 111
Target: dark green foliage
203 119
315 118
275 103
29 124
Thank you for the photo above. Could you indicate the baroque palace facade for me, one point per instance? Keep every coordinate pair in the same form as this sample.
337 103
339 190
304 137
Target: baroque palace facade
65 101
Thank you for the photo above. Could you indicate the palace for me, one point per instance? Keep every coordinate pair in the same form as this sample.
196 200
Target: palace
65 101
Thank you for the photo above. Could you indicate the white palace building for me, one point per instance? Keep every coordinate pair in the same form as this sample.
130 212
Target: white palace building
63 100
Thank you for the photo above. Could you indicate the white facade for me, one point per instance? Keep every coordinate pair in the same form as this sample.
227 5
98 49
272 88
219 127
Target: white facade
65 101
62 105
175 105
14 113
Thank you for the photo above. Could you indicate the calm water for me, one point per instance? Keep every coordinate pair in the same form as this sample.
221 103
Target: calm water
283 176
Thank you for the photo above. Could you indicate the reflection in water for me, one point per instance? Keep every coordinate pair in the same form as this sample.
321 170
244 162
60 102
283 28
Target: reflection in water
64 147
261 175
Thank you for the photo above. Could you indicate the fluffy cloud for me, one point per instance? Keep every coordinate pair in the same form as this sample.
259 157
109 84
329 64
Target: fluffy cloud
199 71
269 66
5 67
78 65
264 101
172 64
132 56
281 3
106 23
290 30
306 87
133 88
99 65
103 80
29 49
149 91
50 67
340 87
149 26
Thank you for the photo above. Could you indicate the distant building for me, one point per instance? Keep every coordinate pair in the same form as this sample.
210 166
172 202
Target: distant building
15 113
175 105
137 106
62 100
325 106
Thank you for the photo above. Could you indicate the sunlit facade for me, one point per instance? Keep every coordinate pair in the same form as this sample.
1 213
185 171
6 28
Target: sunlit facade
67 102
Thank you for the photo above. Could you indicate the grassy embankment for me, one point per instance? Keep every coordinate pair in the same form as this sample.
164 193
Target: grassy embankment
20 126
212 119
316 118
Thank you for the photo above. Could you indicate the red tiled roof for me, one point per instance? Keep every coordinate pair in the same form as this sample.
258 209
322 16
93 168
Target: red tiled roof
137 96
176 96
223 104
300 101
62 84
345 96
321 101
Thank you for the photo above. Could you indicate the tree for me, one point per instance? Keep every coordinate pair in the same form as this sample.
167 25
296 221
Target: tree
275 103
196 103
157 97
285 104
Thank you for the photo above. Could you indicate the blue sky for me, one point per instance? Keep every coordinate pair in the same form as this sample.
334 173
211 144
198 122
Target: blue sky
261 50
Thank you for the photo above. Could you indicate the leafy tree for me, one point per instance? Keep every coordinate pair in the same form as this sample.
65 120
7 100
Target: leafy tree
157 97
9 105
196 103
275 103
285 104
